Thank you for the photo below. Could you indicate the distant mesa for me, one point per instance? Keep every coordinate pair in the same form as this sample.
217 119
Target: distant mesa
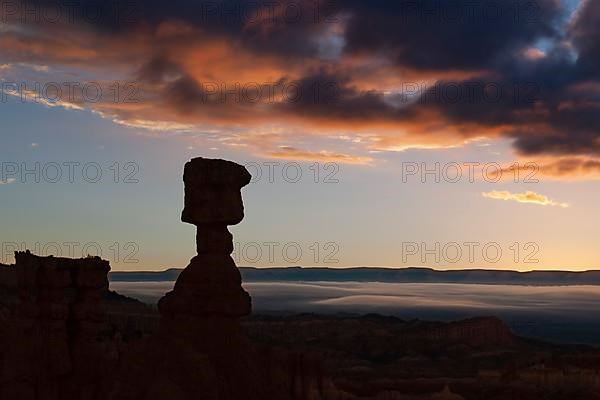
389 275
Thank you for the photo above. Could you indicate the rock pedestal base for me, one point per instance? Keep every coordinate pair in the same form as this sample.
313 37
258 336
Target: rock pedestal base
210 286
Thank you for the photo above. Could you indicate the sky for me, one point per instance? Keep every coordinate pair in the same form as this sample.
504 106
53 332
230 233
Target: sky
449 134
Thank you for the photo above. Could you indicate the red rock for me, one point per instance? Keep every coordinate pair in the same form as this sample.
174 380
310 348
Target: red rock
211 284
213 239
57 350
212 192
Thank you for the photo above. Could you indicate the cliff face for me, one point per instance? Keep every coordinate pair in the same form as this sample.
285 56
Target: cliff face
8 288
8 276
55 345
8 283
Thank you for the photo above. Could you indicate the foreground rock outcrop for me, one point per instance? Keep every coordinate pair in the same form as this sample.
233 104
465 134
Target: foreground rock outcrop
57 347
8 277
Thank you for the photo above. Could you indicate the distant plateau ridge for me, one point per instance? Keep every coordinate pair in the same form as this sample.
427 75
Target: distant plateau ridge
385 275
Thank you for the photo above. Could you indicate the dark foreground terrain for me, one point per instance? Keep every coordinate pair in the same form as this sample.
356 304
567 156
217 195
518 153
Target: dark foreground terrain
378 357
373 355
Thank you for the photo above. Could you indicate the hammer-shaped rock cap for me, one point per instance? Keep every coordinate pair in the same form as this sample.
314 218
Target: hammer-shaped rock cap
212 191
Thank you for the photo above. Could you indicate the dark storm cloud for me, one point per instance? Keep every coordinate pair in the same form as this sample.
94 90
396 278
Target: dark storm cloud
436 34
342 63
586 36
281 26
330 95
455 34
558 144
486 100
124 15
158 69
553 91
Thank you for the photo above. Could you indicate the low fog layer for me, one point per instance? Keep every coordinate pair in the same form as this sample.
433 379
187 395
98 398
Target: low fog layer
558 313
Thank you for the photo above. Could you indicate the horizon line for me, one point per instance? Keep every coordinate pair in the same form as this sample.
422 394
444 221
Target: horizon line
597 269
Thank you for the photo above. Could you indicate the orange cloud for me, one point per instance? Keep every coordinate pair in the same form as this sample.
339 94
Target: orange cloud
527 197
291 153
560 168
176 64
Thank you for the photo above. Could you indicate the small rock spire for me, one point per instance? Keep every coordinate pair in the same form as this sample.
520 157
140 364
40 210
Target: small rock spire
211 284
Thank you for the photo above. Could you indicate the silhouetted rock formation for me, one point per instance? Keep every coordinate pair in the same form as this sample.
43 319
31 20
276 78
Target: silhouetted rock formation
8 277
61 350
199 350
199 330
211 285
56 341
8 291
